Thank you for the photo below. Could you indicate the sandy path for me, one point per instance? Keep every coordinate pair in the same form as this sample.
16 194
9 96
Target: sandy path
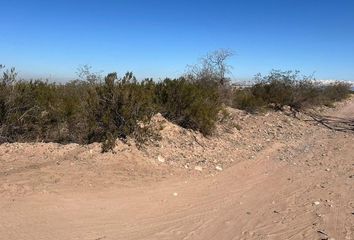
310 197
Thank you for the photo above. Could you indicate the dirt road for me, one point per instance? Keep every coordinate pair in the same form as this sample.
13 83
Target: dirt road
308 196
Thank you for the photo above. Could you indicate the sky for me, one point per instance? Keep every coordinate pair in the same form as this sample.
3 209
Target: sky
156 38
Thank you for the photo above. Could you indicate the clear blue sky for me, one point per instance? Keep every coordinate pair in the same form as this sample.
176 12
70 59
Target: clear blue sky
159 38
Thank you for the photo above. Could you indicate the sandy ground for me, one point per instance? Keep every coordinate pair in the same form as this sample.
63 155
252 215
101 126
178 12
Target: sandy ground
262 177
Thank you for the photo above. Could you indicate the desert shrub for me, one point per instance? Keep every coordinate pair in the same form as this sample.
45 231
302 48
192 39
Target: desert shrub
305 93
244 99
74 112
336 91
139 101
189 104
96 109
288 88
279 89
31 109
117 105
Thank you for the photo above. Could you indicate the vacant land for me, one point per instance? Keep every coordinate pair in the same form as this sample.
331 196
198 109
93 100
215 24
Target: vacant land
266 176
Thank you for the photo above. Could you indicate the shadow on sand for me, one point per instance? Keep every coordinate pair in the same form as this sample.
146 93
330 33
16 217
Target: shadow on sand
334 123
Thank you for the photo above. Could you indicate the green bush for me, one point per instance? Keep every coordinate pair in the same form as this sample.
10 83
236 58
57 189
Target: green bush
336 91
279 89
117 105
244 99
100 110
190 105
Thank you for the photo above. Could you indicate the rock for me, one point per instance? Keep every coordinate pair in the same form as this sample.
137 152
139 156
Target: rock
286 108
218 168
316 203
327 169
198 168
160 159
175 194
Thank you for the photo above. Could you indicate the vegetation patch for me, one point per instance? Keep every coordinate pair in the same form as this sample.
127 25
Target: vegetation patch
103 109
280 89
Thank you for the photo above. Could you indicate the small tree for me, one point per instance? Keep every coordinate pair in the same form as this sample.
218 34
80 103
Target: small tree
212 68
85 73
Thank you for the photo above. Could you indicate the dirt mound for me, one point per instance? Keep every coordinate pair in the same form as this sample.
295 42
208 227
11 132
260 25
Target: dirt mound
238 136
